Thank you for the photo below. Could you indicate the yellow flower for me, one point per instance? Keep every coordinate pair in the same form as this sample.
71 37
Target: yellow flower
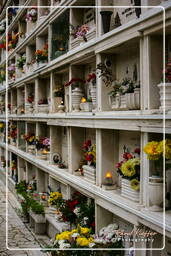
74 231
66 235
135 184
167 144
153 150
1 125
128 168
83 241
84 231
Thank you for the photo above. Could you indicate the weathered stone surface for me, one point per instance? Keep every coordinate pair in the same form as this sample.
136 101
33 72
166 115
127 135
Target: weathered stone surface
18 234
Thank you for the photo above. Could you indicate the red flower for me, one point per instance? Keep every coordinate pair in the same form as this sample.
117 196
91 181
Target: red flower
72 204
74 80
91 77
137 150
127 156
89 157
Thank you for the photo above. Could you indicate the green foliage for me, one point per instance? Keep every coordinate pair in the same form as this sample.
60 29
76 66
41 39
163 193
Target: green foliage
21 188
21 61
37 207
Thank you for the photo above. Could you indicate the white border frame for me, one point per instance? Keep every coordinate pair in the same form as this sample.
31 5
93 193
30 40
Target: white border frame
6 115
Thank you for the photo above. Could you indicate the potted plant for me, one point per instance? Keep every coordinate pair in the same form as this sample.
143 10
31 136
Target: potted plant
37 217
167 85
129 170
21 61
106 19
155 152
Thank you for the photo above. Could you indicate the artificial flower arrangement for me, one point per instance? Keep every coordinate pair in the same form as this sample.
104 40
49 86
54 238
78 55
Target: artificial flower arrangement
42 55
129 168
30 98
80 31
31 14
21 62
30 138
12 41
75 82
13 132
89 150
75 210
2 26
55 199
156 151
82 237
11 71
43 143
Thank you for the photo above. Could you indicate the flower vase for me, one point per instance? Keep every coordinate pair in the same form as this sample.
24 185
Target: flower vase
77 94
106 19
128 192
167 95
155 187
133 99
89 163
93 92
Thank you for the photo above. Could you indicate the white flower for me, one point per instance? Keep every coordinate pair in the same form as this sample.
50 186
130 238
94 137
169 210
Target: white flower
61 242
77 211
91 245
75 235
109 236
85 219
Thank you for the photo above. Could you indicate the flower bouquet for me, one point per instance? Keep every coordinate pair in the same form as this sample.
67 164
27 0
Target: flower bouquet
31 15
42 55
43 147
55 199
89 150
81 237
21 62
80 31
89 170
129 170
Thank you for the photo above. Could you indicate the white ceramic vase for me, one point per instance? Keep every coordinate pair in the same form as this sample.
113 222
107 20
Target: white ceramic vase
93 92
129 192
133 99
167 95
155 187
77 94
